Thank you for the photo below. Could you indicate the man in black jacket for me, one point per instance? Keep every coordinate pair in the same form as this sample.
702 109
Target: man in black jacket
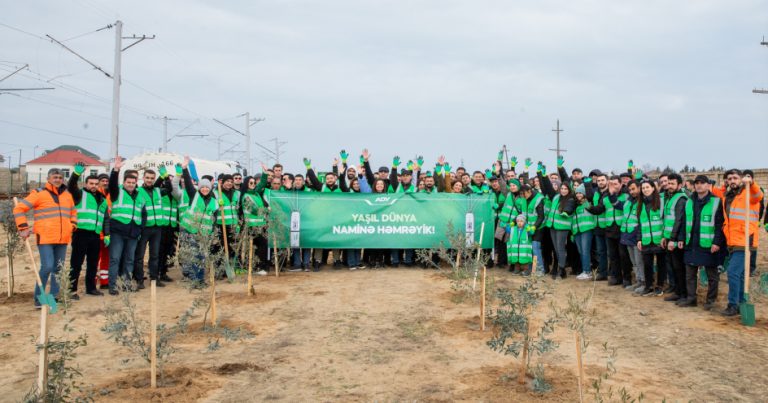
125 223
704 240
673 238
86 240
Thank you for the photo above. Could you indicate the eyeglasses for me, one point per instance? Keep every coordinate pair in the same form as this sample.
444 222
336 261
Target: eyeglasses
251 182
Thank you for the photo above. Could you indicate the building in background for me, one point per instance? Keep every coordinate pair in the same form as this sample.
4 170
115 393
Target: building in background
64 157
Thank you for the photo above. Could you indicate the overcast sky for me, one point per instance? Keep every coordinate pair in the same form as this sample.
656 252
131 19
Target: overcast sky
663 82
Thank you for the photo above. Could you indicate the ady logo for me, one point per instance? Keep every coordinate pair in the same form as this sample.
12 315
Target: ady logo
381 199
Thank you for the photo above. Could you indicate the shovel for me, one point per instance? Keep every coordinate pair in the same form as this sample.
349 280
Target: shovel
43 298
227 267
746 309
703 278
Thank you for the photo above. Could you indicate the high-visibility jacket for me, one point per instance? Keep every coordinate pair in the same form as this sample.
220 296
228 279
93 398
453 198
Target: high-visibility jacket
90 213
629 220
53 212
554 219
529 207
171 210
519 247
230 208
253 210
547 207
199 215
325 188
400 189
669 212
498 202
706 222
651 226
126 209
509 209
479 190
736 215
609 216
154 205
583 220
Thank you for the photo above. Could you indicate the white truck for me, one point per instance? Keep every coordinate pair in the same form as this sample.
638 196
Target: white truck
203 167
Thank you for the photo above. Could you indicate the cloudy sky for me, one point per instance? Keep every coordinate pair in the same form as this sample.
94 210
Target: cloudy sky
663 82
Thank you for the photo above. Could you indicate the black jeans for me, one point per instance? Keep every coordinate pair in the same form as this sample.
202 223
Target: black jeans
149 236
713 282
661 268
85 247
624 272
612 244
167 247
675 258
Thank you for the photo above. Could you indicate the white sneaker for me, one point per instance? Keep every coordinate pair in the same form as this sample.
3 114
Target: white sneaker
261 273
353 268
584 276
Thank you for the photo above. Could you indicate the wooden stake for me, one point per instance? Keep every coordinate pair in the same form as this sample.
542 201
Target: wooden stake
153 334
42 360
213 296
482 301
524 361
250 268
479 250
9 271
176 258
580 366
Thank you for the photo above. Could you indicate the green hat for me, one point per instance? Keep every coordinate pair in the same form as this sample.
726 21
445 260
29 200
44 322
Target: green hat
515 182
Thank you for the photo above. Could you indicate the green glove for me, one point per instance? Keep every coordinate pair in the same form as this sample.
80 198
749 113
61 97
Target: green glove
178 169
528 163
221 202
308 163
447 168
396 162
79 168
438 169
639 174
500 156
344 155
513 162
560 161
488 174
163 172
420 161
362 160
543 169
106 240
587 180
630 164
539 167
564 214
409 165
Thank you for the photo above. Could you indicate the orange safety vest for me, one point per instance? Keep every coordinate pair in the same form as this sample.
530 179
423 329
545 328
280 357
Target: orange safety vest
736 215
53 212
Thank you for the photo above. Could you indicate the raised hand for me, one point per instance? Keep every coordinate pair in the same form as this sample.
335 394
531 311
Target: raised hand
513 161
79 168
118 163
420 161
409 165
307 163
441 160
335 161
630 164
396 161
185 164
446 168
163 172
362 160
528 163
264 167
344 155
488 174
500 156
539 167
366 154
178 169
560 161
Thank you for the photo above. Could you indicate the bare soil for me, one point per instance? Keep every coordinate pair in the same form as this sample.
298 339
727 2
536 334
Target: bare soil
391 335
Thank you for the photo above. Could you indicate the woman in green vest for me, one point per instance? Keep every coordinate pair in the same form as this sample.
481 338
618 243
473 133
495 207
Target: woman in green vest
582 228
198 217
558 220
253 209
649 232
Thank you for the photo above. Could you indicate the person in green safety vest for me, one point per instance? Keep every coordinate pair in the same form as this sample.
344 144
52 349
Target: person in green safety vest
92 222
531 203
519 247
628 241
198 216
582 227
170 231
229 204
127 218
478 185
151 193
328 185
649 234
254 208
558 219
673 235
704 241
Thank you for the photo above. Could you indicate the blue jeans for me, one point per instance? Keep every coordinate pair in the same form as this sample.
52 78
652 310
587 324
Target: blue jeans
301 257
736 278
407 256
602 255
52 256
539 257
583 243
121 248
353 257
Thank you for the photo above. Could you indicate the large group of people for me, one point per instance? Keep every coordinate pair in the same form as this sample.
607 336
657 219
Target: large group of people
650 236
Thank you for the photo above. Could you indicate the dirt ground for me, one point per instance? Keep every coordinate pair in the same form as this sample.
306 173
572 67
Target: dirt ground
391 335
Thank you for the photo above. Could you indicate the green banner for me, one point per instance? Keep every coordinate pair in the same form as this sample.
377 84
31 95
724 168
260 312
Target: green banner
382 221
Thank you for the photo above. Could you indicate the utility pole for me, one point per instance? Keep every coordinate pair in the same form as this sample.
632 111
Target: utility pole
756 90
277 152
558 150
116 77
248 141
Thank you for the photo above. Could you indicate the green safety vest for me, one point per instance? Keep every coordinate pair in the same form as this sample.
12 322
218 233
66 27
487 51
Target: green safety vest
618 216
198 215
629 223
230 208
608 217
555 220
499 199
170 211
519 247
126 209
583 220
509 210
327 189
484 189
706 221
547 208
400 189
434 190
530 207
90 214
651 226
669 213
154 206
253 210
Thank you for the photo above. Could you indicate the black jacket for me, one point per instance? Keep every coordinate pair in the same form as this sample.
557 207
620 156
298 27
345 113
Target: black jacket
130 230
695 255
77 197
